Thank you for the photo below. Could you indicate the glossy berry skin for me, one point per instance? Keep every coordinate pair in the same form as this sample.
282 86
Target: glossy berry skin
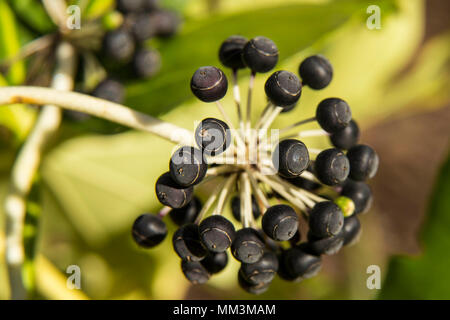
346 138
261 271
166 22
186 243
209 84
230 52
119 45
360 193
363 162
247 246
304 183
332 167
215 262
351 230
325 219
316 72
187 214
283 88
216 233
280 222
169 193
194 271
187 166
146 63
252 288
127 6
149 230
333 114
324 246
213 136
291 157
260 54
236 208
298 264
111 90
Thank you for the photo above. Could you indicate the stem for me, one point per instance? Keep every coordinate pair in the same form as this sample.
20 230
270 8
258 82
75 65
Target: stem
258 192
270 119
237 98
246 201
249 99
56 9
164 211
221 170
292 126
228 120
97 107
224 194
25 167
264 114
308 133
212 198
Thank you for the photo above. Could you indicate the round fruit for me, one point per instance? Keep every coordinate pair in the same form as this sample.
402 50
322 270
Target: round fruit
283 88
333 114
209 84
316 72
171 194
149 230
280 222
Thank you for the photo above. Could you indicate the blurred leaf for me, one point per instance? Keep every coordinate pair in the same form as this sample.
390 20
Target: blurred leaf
10 43
426 276
97 8
18 118
32 13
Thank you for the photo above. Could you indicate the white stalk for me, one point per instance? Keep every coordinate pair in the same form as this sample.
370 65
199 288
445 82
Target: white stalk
292 126
224 194
246 201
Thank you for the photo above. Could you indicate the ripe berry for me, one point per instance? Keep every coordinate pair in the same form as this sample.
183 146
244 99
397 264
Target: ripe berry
236 208
186 243
333 114
261 271
111 90
188 166
230 52
332 167
296 238
283 88
325 219
351 230
130 5
171 194
215 262
194 272
300 264
252 288
280 222
209 84
141 25
216 233
146 63
119 45
213 136
149 230
247 246
360 193
166 22
187 214
151 5
363 162
304 183
316 72
291 157
329 245
347 137
260 54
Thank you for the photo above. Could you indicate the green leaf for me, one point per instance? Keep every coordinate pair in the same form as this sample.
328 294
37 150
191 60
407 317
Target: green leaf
10 43
97 8
426 276
33 14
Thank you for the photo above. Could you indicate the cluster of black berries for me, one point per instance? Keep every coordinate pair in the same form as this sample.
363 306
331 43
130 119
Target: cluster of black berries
327 193
124 47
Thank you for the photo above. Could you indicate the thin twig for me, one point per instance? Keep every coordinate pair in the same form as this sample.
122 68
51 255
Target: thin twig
299 123
224 194
246 201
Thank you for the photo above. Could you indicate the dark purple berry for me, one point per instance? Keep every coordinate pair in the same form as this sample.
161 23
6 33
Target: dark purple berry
188 166
209 84
111 90
216 233
213 136
252 288
283 88
332 167
247 246
230 52
328 246
186 243
146 63
171 194
261 271
291 157
166 22
333 114
187 214
127 6
347 137
194 272
215 262
325 219
280 222
316 72
260 54
119 45
351 230
363 162
299 264
360 193
149 230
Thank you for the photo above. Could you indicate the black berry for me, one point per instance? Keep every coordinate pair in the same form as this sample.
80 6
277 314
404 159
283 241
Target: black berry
351 230
141 25
166 22
332 166
333 114
252 288
325 219
209 84
299 264
328 246
291 157
194 272
247 246
363 162
316 72
215 262
119 45
171 194
230 52
262 271
146 63
280 222
283 88
347 137
216 233
111 90
149 230
188 166
186 243
187 214
236 208
260 54
360 193
213 136
130 5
